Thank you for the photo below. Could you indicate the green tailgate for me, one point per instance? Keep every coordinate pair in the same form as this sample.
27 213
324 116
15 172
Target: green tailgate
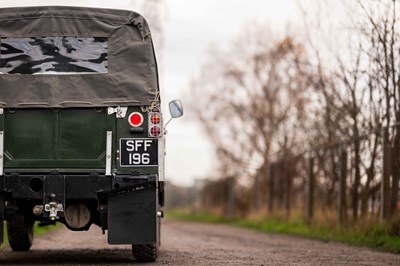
56 139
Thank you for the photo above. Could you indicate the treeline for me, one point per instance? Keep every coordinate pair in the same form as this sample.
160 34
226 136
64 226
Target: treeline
292 116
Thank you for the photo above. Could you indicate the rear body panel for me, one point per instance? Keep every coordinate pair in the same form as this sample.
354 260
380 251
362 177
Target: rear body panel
60 155
68 140
55 139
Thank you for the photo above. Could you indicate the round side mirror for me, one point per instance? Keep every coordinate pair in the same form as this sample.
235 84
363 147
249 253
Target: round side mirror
176 108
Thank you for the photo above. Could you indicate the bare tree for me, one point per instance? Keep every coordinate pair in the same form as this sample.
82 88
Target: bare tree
266 100
362 87
251 100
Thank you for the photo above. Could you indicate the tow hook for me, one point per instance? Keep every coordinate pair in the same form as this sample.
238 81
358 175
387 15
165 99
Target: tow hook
53 208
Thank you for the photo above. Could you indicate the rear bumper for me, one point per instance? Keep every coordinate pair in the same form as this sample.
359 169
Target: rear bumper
127 206
46 197
68 186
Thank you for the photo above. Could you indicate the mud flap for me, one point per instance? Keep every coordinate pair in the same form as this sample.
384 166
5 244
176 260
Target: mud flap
132 217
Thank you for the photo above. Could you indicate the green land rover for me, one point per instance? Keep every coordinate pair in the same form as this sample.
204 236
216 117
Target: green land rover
81 129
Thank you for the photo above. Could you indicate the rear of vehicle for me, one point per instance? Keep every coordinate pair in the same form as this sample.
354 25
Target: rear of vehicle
81 132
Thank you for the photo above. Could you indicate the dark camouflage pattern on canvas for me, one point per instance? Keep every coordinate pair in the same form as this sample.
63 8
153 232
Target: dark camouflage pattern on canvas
53 55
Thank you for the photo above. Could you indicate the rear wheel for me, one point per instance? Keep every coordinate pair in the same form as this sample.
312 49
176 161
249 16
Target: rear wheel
20 236
145 252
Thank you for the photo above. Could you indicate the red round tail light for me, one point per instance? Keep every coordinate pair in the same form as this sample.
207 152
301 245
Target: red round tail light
155 125
135 119
155 118
155 131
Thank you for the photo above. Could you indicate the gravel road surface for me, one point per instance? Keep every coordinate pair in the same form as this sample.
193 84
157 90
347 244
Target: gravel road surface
188 243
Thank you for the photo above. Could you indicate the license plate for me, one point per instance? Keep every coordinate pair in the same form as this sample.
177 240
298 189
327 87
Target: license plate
138 152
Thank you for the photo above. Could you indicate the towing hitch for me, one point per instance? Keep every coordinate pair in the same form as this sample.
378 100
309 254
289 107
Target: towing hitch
53 208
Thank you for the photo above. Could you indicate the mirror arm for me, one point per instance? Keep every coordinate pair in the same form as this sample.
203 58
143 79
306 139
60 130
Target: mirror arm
165 126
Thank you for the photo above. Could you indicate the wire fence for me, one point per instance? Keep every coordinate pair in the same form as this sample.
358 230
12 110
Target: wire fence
354 179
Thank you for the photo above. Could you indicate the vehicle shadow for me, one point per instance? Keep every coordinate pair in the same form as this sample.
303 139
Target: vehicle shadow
68 257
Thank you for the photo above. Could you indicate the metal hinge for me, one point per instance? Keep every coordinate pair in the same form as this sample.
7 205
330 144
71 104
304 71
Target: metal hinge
108 153
1 152
119 111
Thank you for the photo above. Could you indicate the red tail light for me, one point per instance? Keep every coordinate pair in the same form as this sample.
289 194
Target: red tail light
135 119
155 118
155 124
155 131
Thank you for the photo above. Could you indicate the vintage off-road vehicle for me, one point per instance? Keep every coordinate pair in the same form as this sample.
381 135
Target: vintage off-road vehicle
81 129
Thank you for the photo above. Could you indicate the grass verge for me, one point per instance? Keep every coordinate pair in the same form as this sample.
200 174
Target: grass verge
376 236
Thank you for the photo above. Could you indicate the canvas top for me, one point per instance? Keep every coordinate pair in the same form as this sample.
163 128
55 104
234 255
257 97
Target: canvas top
75 57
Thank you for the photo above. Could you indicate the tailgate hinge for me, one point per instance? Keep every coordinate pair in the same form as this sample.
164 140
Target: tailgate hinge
1 152
1 143
119 111
108 152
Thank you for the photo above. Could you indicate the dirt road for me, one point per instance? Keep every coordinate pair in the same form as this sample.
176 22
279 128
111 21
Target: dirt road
185 243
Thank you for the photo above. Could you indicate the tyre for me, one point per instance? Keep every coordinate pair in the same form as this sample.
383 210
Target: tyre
145 252
20 238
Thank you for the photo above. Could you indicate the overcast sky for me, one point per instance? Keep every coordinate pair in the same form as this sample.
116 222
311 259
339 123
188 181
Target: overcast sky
190 27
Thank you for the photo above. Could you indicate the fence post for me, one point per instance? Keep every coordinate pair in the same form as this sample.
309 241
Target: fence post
256 191
310 190
231 198
287 186
342 185
393 166
270 188
281 184
385 176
